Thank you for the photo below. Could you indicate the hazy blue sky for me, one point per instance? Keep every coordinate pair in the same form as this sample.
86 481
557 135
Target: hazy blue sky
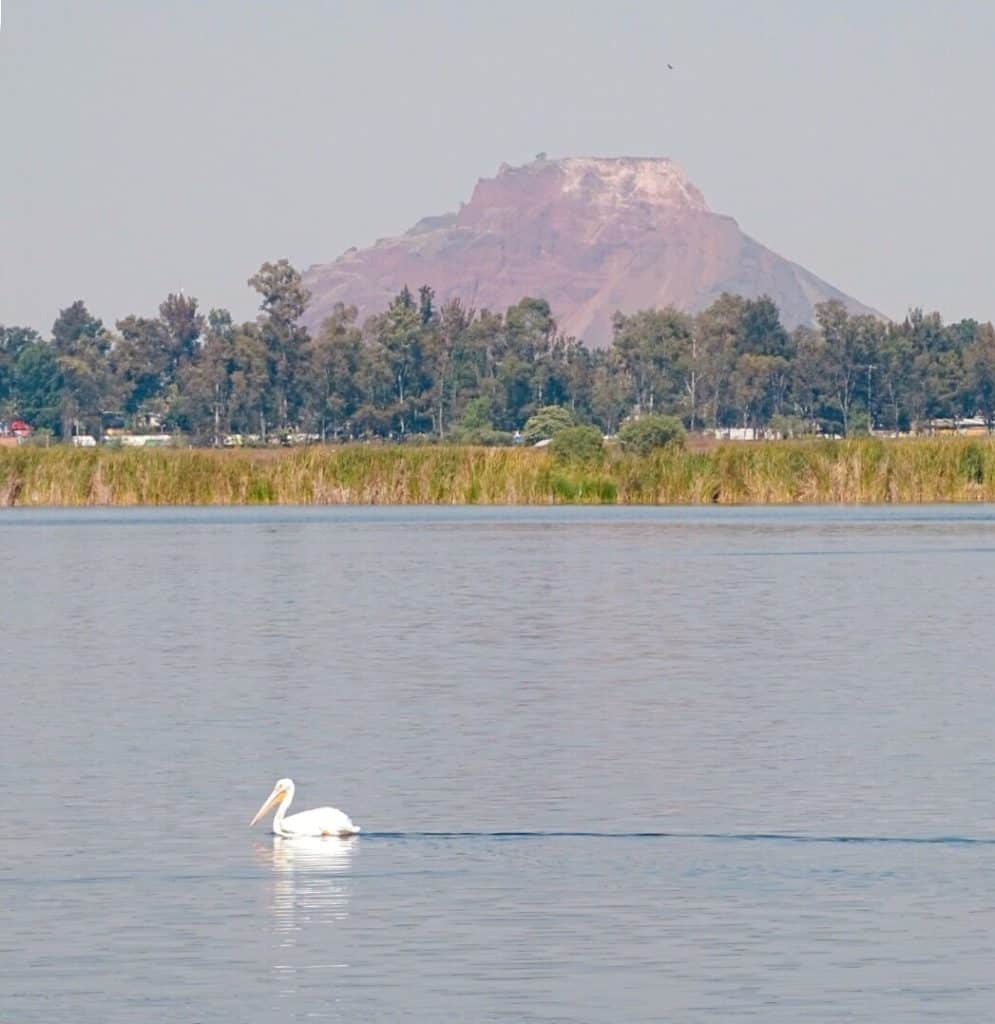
149 145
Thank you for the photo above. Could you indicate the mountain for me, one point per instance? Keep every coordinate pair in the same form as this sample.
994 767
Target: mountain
590 235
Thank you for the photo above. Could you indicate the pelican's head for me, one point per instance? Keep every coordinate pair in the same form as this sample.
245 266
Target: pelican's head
283 790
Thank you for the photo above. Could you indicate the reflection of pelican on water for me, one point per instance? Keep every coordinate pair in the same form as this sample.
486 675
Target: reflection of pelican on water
313 853
309 886
322 821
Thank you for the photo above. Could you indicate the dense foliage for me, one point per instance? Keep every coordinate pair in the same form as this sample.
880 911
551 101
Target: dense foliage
577 444
455 373
643 435
545 423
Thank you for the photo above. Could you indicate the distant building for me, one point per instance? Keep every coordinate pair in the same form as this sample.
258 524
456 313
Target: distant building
967 426
146 440
740 433
14 432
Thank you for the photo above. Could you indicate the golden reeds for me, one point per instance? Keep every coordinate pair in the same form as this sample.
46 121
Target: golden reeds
863 471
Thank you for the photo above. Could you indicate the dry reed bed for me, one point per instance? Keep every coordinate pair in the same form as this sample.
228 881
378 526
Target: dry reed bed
863 471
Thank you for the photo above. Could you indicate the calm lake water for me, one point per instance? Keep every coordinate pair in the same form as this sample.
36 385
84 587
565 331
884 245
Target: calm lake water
612 765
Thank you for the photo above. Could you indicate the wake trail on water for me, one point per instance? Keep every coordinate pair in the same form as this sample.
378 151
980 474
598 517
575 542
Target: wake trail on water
739 837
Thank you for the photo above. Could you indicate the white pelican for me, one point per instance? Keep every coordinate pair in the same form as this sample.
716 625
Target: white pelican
322 821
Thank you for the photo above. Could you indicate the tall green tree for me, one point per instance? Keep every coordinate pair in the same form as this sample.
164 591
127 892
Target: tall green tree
183 325
38 386
761 377
850 350
718 333
76 330
655 350
397 337
250 398
13 341
445 359
205 381
609 398
283 302
81 345
979 359
810 377
333 361
891 379
140 362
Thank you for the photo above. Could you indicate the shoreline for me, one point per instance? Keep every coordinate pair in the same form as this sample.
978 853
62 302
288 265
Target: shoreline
862 471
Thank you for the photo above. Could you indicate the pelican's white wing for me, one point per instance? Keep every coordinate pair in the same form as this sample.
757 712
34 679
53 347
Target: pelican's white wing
322 821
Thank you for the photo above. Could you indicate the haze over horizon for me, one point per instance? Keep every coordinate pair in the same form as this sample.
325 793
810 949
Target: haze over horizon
152 147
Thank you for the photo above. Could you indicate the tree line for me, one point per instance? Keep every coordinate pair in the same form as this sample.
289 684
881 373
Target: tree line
451 372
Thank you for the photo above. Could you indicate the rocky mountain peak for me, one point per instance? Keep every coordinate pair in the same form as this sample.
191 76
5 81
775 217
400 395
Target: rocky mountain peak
592 235
620 182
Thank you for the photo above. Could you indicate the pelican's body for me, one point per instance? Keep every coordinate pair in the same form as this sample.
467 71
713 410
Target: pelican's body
322 821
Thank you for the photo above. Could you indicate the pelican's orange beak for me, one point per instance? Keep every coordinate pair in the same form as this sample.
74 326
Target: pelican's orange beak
271 801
